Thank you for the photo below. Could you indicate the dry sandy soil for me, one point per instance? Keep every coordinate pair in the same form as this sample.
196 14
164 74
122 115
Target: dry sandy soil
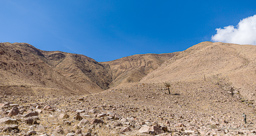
57 93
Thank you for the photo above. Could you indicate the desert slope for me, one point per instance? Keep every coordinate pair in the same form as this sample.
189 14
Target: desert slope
230 64
30 70
23 67
132 69
200 101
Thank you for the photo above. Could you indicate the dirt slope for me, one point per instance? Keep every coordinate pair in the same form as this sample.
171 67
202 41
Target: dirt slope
229 64
133 68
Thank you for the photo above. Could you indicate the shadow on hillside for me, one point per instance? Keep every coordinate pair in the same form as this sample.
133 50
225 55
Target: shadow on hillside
172 94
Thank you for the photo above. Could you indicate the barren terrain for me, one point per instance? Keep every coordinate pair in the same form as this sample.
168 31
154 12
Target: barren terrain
211 85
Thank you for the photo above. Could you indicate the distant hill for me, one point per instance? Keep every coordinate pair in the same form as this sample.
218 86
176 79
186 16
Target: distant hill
26 69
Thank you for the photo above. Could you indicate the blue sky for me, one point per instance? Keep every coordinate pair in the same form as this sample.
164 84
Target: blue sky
110 29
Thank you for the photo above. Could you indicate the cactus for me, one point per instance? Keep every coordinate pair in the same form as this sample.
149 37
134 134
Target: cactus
168 85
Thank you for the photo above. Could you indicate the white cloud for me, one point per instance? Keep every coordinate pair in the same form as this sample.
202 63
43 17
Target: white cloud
244 33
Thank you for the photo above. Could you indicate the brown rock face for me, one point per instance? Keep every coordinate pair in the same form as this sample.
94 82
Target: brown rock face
23 67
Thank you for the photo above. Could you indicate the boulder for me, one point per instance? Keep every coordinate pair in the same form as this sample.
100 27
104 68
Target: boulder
59 130
81 99
93 111
71 134
83 122
87 134
97 121
67 123
156 130
4 105
14 105
101 115
78 117
31 132
63 116
11 128
124 120
144 129
13 112
180 125
48 108
80 111
189 132
125 129
31 114
31 120
7 120
39 110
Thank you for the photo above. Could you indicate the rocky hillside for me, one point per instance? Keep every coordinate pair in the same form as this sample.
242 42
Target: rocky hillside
133 68
211 88
25 69
222 63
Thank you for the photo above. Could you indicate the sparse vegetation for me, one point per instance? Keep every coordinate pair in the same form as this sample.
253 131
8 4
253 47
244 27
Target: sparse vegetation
168 85
232 91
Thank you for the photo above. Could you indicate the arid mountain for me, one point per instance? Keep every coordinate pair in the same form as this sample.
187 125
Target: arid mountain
23 67
225 64
212 92
133 68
